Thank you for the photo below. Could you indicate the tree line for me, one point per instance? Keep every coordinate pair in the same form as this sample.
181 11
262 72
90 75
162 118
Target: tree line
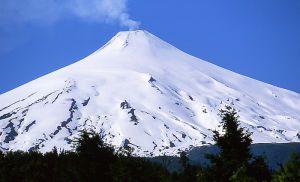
92 160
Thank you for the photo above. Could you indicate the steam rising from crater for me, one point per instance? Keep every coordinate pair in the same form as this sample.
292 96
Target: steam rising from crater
47 12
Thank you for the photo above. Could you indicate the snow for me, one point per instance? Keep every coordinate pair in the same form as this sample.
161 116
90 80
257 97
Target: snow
173 101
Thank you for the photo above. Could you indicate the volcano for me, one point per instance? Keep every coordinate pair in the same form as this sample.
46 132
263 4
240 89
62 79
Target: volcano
140 91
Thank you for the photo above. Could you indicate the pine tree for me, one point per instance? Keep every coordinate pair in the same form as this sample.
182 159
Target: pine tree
95 157
183 159
291 172
235 158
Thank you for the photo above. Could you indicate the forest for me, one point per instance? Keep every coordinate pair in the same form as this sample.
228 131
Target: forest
93 160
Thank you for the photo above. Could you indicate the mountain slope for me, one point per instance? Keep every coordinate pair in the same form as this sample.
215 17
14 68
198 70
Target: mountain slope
140 91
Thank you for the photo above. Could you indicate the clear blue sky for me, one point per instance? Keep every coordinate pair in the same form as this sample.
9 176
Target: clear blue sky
256 38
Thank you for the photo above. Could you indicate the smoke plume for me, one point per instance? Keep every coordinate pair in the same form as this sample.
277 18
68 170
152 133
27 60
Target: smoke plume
47 12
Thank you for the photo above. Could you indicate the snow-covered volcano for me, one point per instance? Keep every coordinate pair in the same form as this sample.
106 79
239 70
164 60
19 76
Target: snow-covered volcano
140 91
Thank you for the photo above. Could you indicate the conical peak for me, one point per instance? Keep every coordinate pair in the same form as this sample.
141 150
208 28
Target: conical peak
172 96
133 32
138 39
141 38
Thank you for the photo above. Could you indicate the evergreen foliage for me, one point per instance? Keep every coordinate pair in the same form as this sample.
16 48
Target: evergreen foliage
92 160
235 161
291 169
95 157
275 152
183 159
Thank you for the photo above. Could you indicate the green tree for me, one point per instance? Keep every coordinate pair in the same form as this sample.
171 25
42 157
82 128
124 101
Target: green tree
92 160
94 157
291 170
183 159
235 159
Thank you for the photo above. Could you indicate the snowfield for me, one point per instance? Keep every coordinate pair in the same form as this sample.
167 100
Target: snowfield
140 91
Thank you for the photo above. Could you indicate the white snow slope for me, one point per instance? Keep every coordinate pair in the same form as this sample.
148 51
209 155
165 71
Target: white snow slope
140 91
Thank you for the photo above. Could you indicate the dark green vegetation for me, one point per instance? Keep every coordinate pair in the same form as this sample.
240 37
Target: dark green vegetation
235 161
92 160
275 152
